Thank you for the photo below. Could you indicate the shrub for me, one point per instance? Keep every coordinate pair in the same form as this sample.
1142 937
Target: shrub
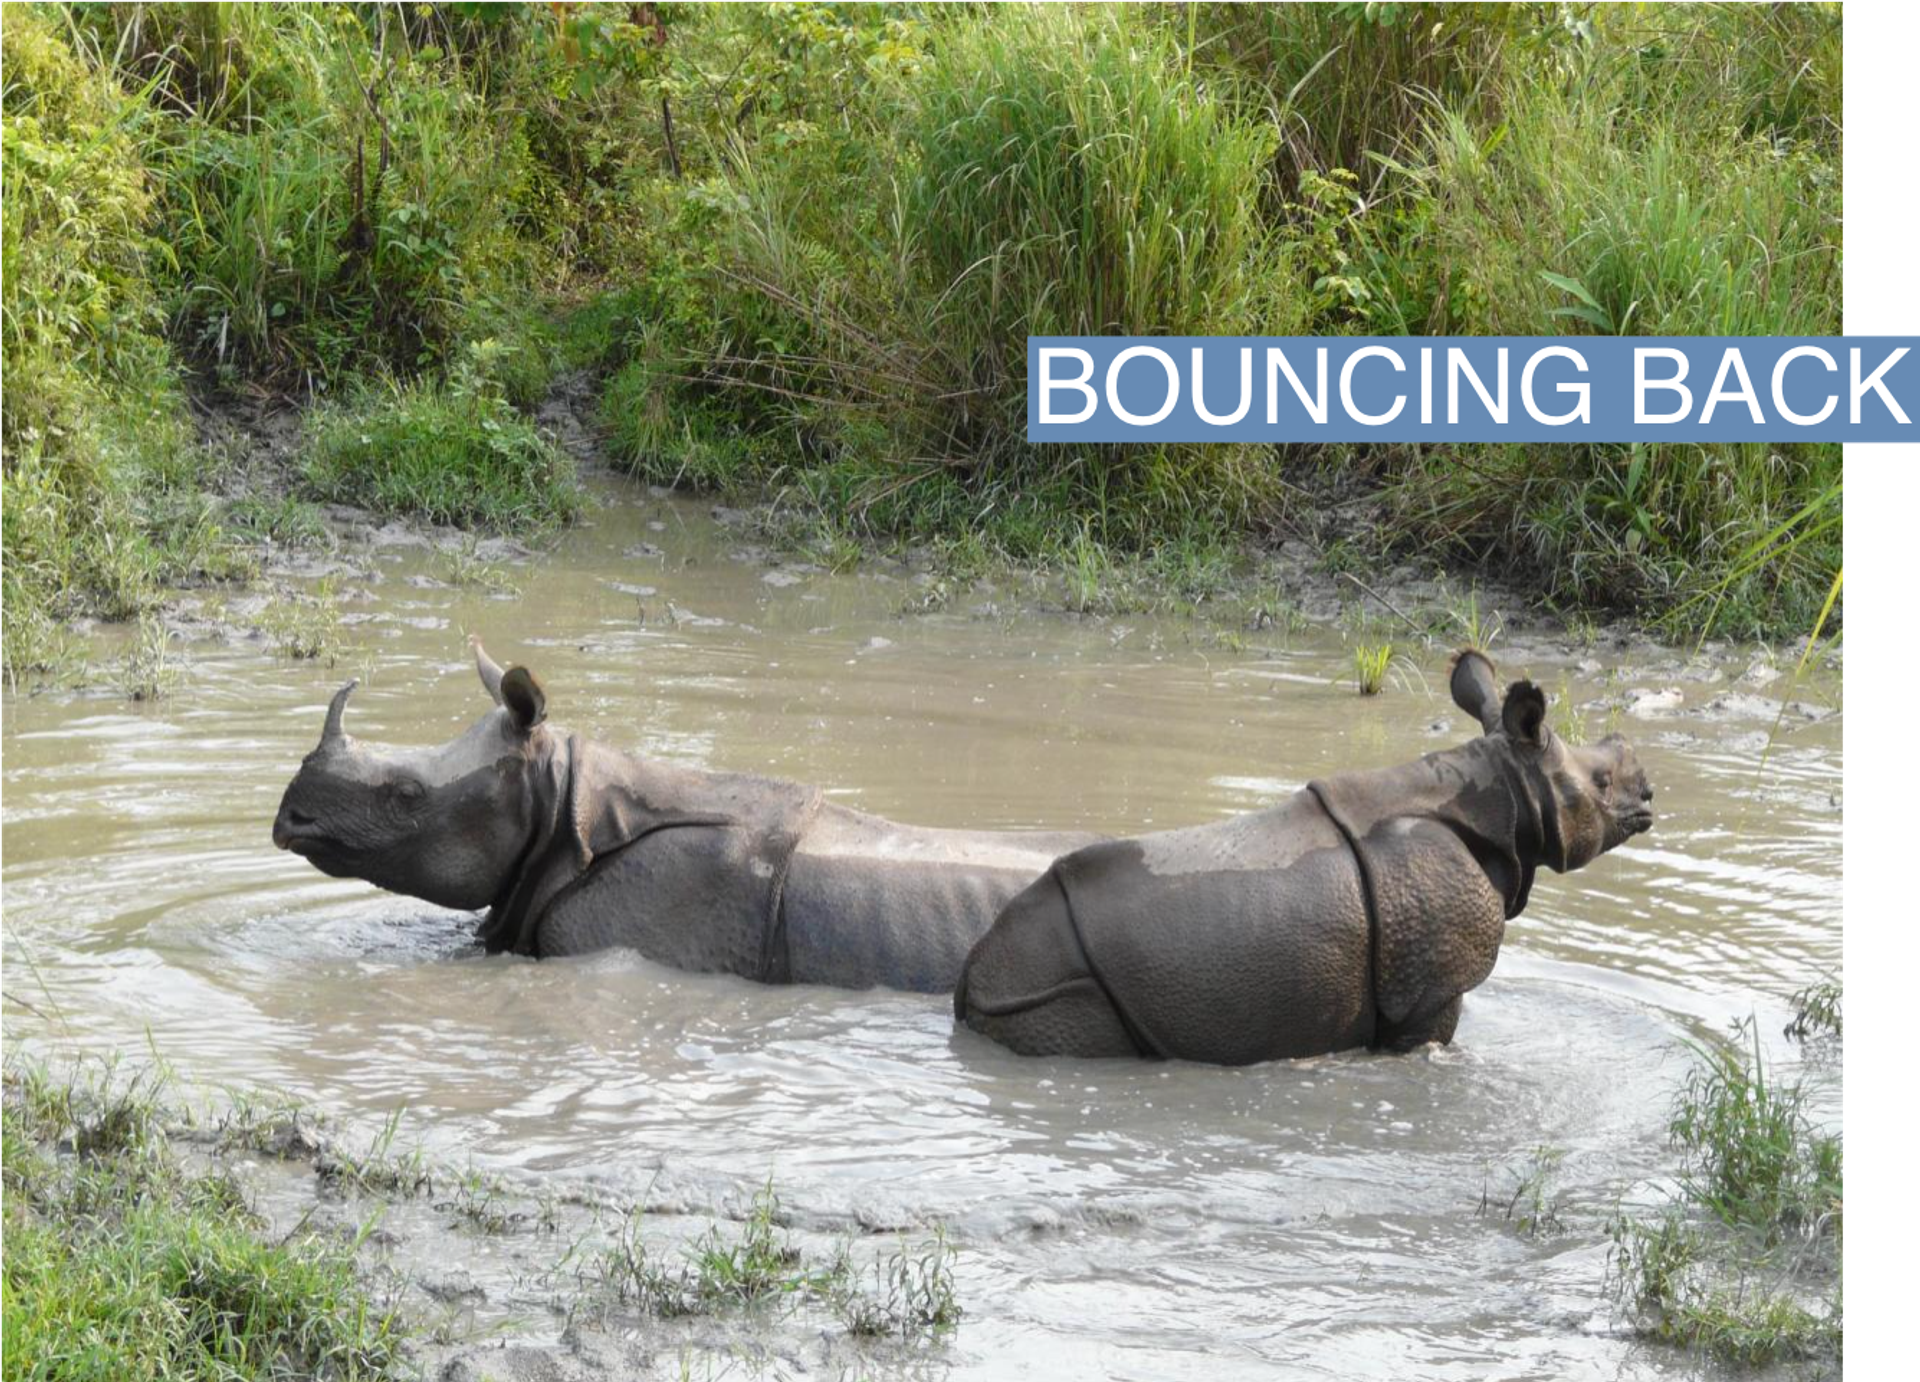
100 467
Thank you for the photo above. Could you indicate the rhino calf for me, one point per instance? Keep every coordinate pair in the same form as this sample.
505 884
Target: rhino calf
573 846
1355 913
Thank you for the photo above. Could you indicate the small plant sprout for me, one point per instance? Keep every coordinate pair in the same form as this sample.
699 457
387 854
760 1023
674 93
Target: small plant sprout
1528 1204
1370 663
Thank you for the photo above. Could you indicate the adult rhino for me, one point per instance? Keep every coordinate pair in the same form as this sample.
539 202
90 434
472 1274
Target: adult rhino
573 846
1355 913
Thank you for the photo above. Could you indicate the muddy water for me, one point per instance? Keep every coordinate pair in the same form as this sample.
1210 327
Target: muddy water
1310 1219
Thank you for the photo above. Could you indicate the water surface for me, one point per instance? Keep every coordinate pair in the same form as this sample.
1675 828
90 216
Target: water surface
1320 1218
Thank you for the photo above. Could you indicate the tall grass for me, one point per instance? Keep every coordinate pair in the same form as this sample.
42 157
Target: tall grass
1346 85
1675 178
334 195
1055 170
806 243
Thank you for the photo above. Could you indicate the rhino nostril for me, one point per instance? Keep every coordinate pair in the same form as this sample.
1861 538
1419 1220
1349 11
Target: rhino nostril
1646 794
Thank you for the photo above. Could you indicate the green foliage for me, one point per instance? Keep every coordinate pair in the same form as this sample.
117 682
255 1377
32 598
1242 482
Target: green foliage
121 1263
101 475
1752 1157
1743 1262
449 453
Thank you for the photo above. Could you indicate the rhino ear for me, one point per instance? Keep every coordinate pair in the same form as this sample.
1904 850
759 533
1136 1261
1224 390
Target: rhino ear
490 673
524 698
1524 716
1474 689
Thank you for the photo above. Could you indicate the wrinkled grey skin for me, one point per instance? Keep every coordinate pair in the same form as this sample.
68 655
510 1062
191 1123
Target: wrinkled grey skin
574 847
1355 913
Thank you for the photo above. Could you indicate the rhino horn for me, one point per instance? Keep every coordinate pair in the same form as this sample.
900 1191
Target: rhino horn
336 712
1474 689
490 671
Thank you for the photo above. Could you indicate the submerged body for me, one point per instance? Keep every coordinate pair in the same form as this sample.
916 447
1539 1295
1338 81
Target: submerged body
574 847
1355 913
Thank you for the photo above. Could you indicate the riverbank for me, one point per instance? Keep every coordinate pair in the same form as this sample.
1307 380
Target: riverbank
156 1230
294 560
760 230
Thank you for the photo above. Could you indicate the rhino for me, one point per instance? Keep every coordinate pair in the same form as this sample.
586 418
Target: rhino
572 846
1353 914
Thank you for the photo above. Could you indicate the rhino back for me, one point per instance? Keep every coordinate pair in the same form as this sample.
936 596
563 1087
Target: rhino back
1229 966
1241 941
870 902
695 897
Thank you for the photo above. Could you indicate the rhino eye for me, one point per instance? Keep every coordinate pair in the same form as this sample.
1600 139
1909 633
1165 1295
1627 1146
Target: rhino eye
1602 778
409 789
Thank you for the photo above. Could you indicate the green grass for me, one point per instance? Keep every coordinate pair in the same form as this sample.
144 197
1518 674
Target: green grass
448 453
1743 1261
123 1265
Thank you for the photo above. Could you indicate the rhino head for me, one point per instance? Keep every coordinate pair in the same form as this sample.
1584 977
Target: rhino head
446 824
1595 796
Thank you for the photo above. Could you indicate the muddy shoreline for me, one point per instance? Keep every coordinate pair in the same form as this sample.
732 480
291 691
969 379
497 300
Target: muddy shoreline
1278 590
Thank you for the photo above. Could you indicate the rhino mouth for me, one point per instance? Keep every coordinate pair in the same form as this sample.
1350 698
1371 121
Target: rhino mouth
300 834
1637 822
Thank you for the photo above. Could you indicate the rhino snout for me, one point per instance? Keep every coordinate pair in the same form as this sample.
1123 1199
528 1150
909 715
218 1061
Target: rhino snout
291 825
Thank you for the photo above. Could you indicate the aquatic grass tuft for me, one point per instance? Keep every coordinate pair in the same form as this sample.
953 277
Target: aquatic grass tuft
912 1295
148 669
379 1170
1370 663
1529 1205
1681 1291
1816 1011
306 627
1751 1156
1743 1261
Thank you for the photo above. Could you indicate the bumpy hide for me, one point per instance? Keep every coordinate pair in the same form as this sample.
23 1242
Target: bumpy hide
1355 913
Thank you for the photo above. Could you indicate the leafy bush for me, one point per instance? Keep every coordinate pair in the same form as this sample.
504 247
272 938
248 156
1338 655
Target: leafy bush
100 473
